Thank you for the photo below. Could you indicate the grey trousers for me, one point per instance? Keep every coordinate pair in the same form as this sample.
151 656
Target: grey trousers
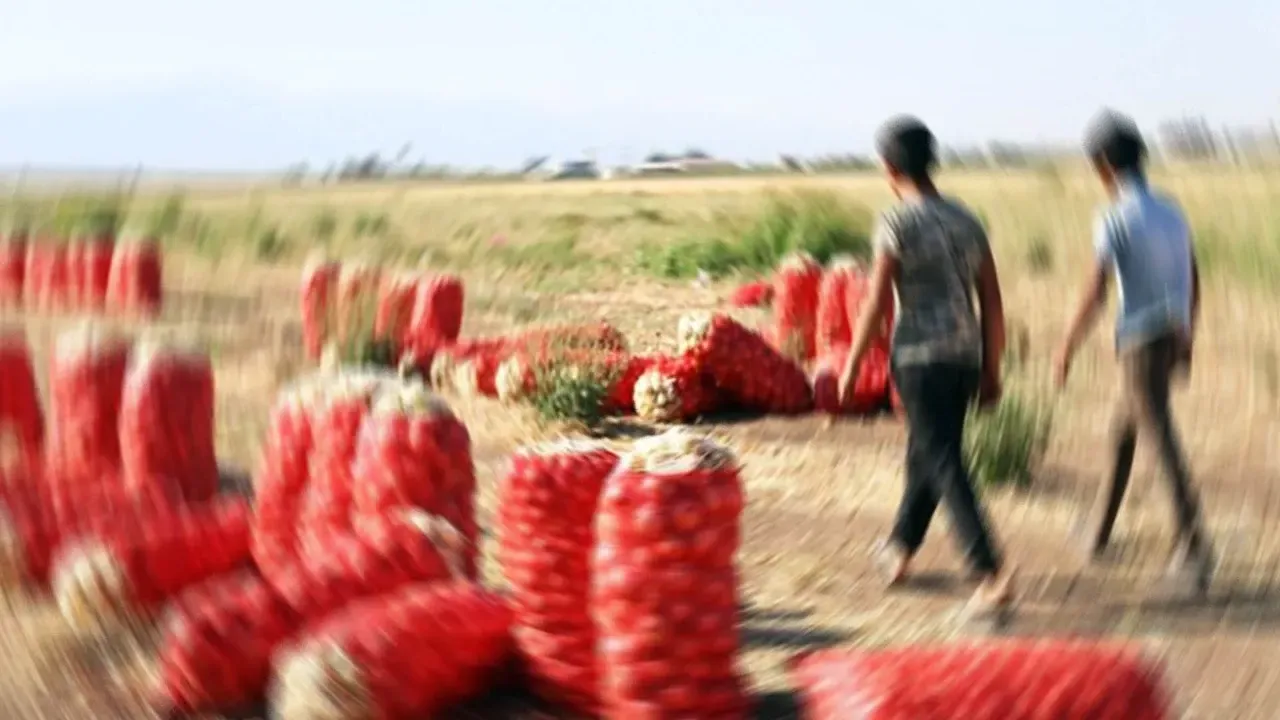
1143 410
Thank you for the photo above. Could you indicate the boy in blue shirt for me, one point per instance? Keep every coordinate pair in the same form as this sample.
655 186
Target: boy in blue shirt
1143 239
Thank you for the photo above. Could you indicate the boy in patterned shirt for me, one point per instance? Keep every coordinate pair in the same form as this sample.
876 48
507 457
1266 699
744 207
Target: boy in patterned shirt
944 355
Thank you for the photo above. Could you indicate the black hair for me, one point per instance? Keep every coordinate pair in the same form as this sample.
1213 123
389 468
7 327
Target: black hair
907 145
1114 139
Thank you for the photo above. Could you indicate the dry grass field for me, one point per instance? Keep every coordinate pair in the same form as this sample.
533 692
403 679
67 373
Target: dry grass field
819 495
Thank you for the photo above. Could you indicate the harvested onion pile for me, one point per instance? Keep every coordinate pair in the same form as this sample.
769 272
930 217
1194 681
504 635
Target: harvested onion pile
1039 680
283 475
743 365
99 580
86 386
370 661
795 305
833 322
544 522
21 419
13 270
39 517
674 389
319 290
218 643
871 387
414 453
335 430
167 422
664 583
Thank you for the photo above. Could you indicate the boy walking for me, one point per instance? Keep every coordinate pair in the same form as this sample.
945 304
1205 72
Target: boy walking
1143 239
944 356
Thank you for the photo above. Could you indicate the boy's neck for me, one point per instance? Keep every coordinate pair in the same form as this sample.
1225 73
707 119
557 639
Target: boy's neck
1128 182
922 190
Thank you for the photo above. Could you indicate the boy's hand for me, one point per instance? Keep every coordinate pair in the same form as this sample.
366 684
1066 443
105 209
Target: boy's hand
1186 341
848 382
1061 367
990 388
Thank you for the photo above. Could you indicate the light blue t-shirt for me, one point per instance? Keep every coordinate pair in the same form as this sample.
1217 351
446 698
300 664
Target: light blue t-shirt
1144 238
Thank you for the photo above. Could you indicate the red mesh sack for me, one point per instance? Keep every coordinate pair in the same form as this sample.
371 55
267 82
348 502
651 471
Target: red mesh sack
356 302
58 278
135 569
38 518
167 422
135 283
858 290
437 310
1041 680
282 477
326 503
833 324
395 307
200 663
216 644
36 273
86 385
370 659
674 389
96 271
544 517
795 305
75 256
627 371
380 554
752 294
871 387
745 368
319 284
413 452
21 418
13 269
664 585
475 366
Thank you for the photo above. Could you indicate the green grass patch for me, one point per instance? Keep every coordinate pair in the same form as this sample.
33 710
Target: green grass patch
572 393
820 224
1005 445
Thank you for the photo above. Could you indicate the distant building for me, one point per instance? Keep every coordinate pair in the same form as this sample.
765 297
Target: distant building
565 170
687 165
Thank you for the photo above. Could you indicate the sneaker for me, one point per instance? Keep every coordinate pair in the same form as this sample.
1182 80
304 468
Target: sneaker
892 562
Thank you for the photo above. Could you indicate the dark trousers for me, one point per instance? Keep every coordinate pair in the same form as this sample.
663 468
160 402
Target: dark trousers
1146 375
936 398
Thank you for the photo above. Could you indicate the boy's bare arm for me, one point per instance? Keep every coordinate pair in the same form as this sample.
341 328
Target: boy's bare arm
879 298
1095 296
1195 291
991 306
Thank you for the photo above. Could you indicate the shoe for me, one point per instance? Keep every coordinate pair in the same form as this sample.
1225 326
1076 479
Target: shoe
892 562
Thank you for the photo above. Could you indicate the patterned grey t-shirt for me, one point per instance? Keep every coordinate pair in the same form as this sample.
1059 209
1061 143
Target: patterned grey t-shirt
939 245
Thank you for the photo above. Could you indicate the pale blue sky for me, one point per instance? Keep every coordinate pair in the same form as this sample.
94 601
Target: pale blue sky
242 84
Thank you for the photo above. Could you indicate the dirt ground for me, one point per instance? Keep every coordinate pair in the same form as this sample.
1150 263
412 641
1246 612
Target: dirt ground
819 496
